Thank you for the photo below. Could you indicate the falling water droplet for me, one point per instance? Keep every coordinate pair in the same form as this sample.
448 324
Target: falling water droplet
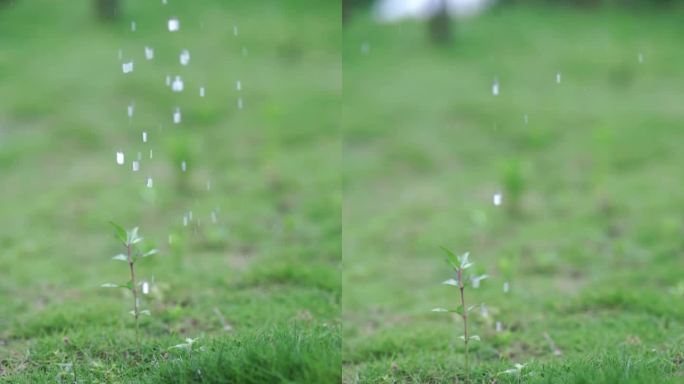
185 220
139 156
525 119
136 165
168 80
506 287
177 116
214 217
239 103
208 185
245 52
640 57
177 85
149 53
201 91
150 183
130 110
127 67
119 157
144 137
238 85
499 326
185 57
190 215
558 78
174 24
151 154
145 288
495 87
133 26
164 2
120 54
235 30
184 166
365 48
497 199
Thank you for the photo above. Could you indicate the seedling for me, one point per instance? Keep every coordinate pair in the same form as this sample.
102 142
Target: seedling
131 241
459 264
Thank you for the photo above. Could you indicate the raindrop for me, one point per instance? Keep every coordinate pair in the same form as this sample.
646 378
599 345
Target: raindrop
525 119
365 48
139 156
497 199
208 185
119 157
214 217
145 288
185 220
164 2
244 52
136 166
506 287
185 57
495 87
149 53
239 103
168 80
144 137
151 154
558 78
235 30
499 326
174 25
150 183
484 311
127 67
190 215
133 26
177 116
201 91
238 85
120 54
640 57
177 85
130 110
184 166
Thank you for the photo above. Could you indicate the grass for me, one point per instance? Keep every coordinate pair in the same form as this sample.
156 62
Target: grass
63 101
589 234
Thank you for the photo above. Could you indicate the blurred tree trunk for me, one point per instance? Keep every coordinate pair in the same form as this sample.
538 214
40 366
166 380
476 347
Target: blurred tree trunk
439 24
107 9
346 10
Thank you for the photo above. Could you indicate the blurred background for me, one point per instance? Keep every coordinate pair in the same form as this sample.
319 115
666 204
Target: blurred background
230 164
569 111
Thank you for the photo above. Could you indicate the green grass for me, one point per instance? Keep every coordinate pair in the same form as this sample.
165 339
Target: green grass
270 265
590 232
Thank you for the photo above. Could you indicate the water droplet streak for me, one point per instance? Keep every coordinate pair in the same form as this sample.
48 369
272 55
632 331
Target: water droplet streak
127 67
174 25
185 57
119 157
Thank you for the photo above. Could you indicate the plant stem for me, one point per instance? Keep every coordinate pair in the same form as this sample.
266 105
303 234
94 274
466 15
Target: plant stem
465 323
134 289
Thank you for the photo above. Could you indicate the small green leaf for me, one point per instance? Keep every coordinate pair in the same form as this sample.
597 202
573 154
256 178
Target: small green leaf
146 312
440 310
458 310
120 257
128 285
150 252
474 337
119 232
451 258
109 285
453 282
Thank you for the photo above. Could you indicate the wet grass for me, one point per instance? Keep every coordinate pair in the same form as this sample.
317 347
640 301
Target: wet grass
590 231
269 265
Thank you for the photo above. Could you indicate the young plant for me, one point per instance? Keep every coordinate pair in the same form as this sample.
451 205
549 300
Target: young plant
131 241
459 264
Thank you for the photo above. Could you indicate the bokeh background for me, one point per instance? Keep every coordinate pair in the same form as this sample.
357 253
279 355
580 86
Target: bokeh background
589 232
254 273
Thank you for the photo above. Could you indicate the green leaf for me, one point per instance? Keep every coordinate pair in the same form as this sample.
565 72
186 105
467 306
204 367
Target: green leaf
451 257
120 257
109 285
458 310
119 232
151 252
128 285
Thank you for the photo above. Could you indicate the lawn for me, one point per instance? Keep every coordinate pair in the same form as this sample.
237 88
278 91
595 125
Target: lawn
255 273
589 235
